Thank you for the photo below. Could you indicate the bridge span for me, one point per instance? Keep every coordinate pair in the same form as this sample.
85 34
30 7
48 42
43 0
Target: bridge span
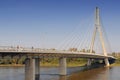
51 53
33 56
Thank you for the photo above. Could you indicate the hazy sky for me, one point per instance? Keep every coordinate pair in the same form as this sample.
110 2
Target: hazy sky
45 22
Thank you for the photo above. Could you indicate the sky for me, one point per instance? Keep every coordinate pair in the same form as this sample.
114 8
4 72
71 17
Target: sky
44 23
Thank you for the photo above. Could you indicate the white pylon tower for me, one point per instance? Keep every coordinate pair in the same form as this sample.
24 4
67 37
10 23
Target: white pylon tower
99 29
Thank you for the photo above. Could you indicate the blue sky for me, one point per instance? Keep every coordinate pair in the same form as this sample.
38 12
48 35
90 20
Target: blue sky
44 23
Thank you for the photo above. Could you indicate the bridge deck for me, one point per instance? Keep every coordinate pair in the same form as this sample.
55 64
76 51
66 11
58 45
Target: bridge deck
54 54
13 51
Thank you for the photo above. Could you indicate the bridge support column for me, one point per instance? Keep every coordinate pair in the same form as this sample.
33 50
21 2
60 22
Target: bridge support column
32 69
89 62
37 68
106 62
62 66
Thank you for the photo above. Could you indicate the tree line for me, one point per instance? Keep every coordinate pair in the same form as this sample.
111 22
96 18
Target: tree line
21 60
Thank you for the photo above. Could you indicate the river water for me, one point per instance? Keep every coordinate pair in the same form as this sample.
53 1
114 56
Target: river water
74 73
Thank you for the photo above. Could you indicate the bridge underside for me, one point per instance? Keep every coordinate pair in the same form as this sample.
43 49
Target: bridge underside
55 54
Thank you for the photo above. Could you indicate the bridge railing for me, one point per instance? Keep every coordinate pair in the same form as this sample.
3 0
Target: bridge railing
30 49
11 48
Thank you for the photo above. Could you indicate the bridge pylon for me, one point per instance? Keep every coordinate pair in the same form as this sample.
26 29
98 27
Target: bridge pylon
99 29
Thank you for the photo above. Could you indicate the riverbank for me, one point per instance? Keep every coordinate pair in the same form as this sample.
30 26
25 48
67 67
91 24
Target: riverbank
43 65
76 64
116 64
11 65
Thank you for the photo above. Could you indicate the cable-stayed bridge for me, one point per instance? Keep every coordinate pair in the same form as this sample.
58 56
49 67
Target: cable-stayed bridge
49 53
33 55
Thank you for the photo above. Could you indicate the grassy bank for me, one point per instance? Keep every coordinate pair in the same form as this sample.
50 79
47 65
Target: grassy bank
44 65
75 64
11 65
116 64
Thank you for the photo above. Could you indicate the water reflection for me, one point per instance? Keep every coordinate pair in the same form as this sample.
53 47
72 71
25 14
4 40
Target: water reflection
13 73
94 74
62 77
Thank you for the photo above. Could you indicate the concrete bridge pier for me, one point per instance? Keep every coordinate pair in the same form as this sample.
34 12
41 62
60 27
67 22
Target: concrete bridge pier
106 62
37 68
89 62
62 66
29 69
32 69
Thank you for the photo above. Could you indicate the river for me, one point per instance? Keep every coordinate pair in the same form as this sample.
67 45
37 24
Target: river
74 73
